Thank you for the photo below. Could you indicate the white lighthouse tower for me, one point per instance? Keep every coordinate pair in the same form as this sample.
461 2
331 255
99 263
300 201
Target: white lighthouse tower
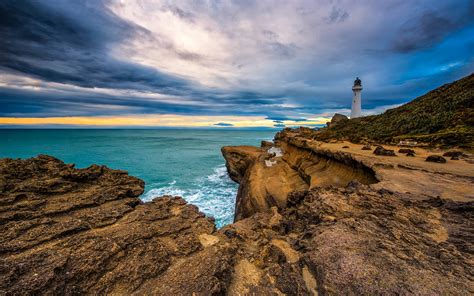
356 110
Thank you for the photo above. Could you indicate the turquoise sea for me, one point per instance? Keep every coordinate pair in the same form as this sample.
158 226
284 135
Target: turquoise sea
184 162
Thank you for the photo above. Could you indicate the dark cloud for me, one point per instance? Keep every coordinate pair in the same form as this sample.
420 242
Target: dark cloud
223 124
279 125
430 28
69 43
268 69
44 104
53 42
27 103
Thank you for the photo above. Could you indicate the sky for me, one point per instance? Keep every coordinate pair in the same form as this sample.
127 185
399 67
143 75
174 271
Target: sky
212 63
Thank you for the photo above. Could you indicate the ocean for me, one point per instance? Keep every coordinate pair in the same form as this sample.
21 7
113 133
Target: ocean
184 162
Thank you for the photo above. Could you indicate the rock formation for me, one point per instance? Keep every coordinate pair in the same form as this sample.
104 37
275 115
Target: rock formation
406 150
311 220
392 235
382 151
266 184
75 231
337 118
436 158
306 163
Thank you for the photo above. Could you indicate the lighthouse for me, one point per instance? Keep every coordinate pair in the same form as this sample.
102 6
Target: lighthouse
356 99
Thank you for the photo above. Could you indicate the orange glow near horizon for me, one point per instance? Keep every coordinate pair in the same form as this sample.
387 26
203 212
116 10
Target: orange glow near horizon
164 120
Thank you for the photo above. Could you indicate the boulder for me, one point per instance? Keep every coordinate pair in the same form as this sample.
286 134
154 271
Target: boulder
454 154
336 119
411 154
385 152
406 150
436 158
366 147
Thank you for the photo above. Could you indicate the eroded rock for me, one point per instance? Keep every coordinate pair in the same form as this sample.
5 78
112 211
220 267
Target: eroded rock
239 160
266 144
406 151
84 231
69 231
454 153
338 118
356 241
268 179
385 152
436 158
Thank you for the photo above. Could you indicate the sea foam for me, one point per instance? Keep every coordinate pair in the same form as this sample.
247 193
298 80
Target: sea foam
213 194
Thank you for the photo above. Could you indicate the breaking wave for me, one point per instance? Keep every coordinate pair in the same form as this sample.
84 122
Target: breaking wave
214 195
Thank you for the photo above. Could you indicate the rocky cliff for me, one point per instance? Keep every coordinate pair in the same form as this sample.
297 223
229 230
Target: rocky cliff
359 222
75 231
305 163
84 231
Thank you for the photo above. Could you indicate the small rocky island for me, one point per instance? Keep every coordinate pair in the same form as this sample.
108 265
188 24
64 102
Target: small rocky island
342 210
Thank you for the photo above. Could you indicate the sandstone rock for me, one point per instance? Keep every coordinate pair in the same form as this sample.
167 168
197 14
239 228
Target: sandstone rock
381 230
337 118
356 241
368 245
84 231
454 154
400 174
385 152
263 187
266 144
436 158
406 150
239 159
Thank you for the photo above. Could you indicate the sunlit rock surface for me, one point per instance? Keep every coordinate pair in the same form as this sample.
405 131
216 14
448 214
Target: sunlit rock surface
69 231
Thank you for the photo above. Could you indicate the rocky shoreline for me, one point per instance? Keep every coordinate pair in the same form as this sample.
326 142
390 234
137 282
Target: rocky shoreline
312 218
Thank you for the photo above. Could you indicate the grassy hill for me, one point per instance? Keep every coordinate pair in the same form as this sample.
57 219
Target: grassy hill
442 117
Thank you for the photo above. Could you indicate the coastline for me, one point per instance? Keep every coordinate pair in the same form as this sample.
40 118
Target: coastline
281 247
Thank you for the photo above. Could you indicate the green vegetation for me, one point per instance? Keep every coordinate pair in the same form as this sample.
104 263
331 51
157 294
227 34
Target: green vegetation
442 117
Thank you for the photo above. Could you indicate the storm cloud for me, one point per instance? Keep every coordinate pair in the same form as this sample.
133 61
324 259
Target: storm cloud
283 60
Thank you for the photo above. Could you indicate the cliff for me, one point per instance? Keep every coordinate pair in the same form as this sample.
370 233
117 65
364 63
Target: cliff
84 231
442 117
305 163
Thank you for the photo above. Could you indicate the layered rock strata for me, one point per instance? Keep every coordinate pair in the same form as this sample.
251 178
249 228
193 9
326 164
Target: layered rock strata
84 231
305 163
357 241
75 231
